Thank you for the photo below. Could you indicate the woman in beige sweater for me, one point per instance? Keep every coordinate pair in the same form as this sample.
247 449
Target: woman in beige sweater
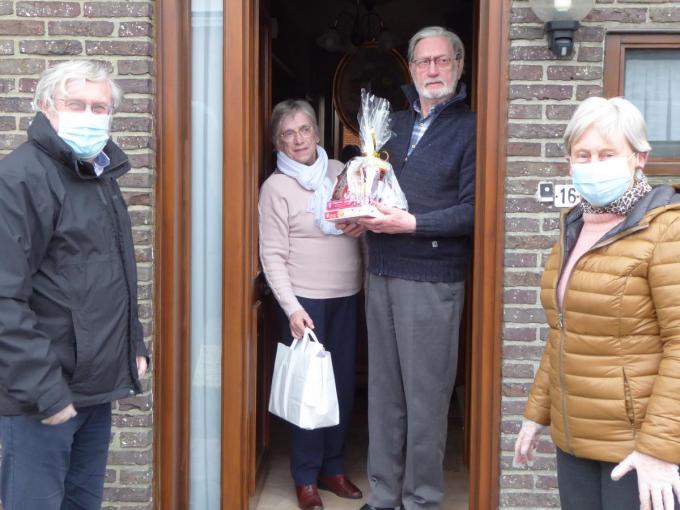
315 274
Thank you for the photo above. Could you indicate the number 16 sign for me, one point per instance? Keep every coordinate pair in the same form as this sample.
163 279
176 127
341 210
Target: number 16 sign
566 195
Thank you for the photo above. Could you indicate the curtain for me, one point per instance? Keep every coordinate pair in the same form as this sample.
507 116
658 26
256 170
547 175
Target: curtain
651 83
206 254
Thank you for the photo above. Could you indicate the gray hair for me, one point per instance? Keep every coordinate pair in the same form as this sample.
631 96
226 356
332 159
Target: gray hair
291 107
424 33
608 116
55 79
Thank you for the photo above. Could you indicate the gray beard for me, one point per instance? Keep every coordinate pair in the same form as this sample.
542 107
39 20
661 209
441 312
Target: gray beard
444 93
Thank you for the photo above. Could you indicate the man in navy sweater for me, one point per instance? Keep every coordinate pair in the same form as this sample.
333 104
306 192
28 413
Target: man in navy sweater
417 264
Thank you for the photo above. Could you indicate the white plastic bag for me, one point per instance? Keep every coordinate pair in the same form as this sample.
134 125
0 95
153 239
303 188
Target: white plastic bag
303 387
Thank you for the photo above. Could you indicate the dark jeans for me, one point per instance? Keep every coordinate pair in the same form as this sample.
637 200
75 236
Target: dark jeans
587 485
322 451
60 467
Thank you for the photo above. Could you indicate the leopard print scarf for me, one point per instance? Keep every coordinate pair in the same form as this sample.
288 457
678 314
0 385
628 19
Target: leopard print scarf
625 202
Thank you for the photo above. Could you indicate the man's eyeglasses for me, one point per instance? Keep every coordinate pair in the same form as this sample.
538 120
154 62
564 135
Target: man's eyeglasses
441 62
289 135
74 105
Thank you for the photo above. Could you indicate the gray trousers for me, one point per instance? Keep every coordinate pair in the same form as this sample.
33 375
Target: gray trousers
412 359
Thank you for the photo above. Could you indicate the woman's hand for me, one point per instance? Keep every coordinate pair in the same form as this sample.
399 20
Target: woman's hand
351 229
527 441
298 322
657 480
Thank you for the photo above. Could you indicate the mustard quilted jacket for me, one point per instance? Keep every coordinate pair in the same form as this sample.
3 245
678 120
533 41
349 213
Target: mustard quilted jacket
609 379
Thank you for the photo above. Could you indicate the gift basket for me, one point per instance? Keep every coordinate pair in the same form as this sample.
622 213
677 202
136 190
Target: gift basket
367 180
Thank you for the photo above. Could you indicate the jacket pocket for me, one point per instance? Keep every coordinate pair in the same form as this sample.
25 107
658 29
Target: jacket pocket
82 348
628 395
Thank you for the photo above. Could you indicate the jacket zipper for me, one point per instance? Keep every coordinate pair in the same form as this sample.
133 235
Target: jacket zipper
560 316
101 184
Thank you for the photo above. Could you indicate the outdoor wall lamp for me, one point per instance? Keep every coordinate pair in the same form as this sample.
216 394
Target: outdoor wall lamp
561 19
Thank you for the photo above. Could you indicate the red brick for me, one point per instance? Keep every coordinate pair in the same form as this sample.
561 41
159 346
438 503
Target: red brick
6 85
15 105
590 54
118 48
22 66
138 198
135 476
532 242
134 67
517 481
22 27
531 53
526 32
512 259
589 34
621 15
137 179
7 47
524 111
6 8
560 111
131 494
132 420
520 296
532 131
134 142
53 47
530 500
586 91
27 85
535 169
665 14
24 122
136 105
550 224
542 91
7 123
526 73
523 15
117 9
522 278
517 224
524 315
518 371
574 73
48 9
511 334
135 86
11 141
513 407
129 457
131 124
81 28
554 150
111 476
135 439
143 254
135 29
546 482
523 149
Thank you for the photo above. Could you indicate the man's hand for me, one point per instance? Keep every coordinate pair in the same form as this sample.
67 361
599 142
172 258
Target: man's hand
298 322
142 365
351 229
62 416
392 221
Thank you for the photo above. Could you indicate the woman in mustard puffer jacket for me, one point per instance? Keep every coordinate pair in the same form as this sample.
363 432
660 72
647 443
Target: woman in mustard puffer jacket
609 381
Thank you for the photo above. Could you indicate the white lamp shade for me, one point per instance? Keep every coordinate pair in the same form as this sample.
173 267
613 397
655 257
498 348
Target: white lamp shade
553 10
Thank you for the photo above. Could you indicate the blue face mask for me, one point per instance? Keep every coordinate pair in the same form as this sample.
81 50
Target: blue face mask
602 182
85 132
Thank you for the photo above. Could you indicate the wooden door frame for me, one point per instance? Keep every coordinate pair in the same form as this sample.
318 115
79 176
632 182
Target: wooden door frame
172 295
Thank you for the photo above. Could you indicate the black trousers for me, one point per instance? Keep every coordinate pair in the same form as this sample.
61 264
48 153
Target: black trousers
586 484
322 451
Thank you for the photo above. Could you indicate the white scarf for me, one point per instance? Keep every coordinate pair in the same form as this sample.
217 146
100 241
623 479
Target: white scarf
313 178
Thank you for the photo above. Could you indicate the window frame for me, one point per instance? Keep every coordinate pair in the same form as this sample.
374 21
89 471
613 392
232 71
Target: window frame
616 46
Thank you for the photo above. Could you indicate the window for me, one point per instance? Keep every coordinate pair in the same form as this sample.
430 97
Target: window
645 68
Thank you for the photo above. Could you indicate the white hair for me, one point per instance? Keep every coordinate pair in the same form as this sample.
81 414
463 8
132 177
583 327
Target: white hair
435 31
608 117
291 107
55 79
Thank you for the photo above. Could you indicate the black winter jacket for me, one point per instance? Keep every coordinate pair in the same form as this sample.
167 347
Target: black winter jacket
69 329
438 179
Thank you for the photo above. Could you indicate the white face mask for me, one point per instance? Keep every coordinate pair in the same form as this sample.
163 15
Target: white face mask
85 132
602 182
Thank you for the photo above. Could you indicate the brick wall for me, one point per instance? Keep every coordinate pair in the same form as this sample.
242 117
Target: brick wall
543 92
32 36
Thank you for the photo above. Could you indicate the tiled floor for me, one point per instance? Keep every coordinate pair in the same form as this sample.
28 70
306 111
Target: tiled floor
278 492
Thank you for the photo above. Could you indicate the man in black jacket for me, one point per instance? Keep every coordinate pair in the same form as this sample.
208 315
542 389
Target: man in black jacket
417 265
70 337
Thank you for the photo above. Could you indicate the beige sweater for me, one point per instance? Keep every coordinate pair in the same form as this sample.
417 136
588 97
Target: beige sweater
297 258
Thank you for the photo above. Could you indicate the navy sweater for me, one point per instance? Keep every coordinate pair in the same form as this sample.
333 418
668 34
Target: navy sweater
438 179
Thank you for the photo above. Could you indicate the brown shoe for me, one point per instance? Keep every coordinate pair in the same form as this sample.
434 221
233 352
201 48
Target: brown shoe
308 497
340 486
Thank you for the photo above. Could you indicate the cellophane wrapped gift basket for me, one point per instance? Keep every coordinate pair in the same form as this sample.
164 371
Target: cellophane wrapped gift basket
367 180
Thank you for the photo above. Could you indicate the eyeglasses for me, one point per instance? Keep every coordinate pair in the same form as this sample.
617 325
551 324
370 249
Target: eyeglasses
75 105
289 135
441 62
